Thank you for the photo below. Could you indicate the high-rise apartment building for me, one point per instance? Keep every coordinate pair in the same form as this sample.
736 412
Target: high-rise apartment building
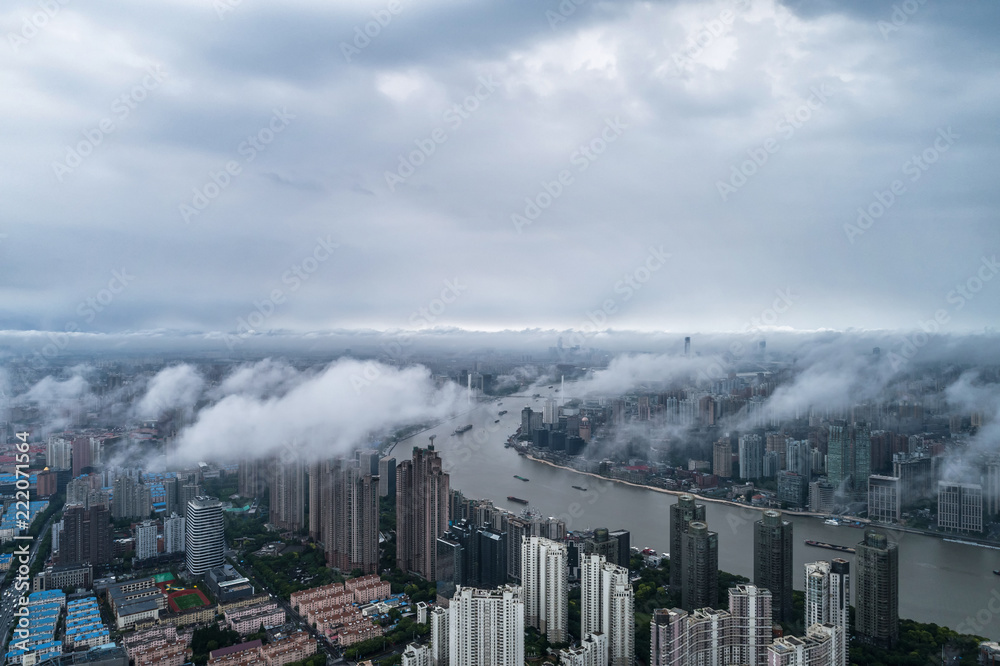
86 536
422 511
798 457
593 651
877 603
700 567
131 498
205 535
387 478
440 641
173 534
252 477
828 601
681 515
81 455
607 606
751 452
59 453
287 490
772 562
545 587
815 649
750 612
146 540
960 506
722 459
485 628
349 515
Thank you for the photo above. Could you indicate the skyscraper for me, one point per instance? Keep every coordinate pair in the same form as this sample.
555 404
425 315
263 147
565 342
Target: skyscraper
750 612
287 487
81 455
86 535
545 587
607 606
131 498
681 514
422 493
883 499
751 451
700 562
485 627
722 458
848 460
772 562
173 534
145 540
58 454
205 535
877 603
315 514
252 478
349 515
960 506
828 600
387 478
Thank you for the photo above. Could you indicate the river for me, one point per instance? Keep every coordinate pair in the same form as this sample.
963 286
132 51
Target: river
947 583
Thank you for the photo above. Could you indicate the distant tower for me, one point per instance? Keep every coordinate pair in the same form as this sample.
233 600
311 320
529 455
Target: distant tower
700 581
877 603
687 346
772 562
562 391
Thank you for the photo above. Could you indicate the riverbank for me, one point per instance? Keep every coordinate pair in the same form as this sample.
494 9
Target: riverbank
667 491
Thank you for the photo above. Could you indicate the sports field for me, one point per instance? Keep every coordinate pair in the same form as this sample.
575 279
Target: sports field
186 599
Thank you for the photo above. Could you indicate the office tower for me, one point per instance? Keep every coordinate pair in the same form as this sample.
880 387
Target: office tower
491 558
624 539
877 603
603 544
287 490
545 587
750 616
81 455
349 509
960 506
798 457
772 562
883 499
131 499
607 606
387 478
440 642
86 536
422 492
59 453
252 477
751 452
820 497
173 534
722 459
793 489
828 600
848 460
681 514
145 540
486 627
526 428
205 535
700 562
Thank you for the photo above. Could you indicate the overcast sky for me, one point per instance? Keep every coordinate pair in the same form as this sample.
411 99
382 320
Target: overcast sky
720 183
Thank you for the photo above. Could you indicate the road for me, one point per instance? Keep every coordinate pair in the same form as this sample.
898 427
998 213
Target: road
8 602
